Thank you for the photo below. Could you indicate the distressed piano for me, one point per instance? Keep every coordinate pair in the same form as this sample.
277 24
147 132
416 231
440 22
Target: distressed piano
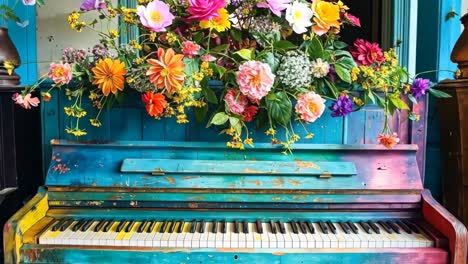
186 202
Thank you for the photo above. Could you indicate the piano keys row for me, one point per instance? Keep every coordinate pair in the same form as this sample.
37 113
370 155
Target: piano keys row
236 234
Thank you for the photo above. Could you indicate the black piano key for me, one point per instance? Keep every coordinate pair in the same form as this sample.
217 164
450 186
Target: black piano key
150 226
332 226
215 227
345 227
245 227
294 227
272 227
172 226
404 227
87 225
66 225
78 225
303 227
366 227
385 227
353 227
121 225
259 226
181 226
412 226
311 227
282 228
202 226
141 228
223 226
374 227
108 225
193 226
162 229
236 227
99 225
323 226
129 226
393 226
58 224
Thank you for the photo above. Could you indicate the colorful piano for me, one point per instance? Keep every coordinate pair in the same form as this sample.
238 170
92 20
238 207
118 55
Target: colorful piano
163 202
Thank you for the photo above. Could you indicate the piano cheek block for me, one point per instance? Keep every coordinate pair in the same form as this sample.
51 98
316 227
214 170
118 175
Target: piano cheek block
279 204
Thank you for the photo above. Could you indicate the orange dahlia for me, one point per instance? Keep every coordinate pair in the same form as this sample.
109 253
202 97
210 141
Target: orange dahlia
155 103
109 75
167 71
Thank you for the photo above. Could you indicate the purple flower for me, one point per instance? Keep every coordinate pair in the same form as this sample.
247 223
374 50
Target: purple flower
419 87
342 107
88 5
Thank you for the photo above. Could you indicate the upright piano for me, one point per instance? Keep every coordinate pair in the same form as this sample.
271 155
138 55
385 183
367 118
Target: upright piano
187 202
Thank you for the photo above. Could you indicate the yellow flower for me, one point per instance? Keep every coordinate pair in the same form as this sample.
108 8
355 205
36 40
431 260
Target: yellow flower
355 73
182 119
326 16
358 101
68 111
76 132
93 95
205 69
197 76
270 132
95 122
135 44
112 12
9 66
171 38
249 141
113 34
153 36
309 135
220 23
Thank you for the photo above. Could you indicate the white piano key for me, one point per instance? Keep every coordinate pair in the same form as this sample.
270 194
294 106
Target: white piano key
266 243
172 242
196 239
341 237
181 236
242 239
272 238
188 238
234 237
250 237
204 236
227 235
280 240
157 236
294 237
324 237
302 238
211 236
366 240
257 237
219 237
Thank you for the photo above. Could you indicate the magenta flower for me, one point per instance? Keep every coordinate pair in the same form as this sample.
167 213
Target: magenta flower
208 58
88 5
276 6
27 102
366 53
419 87
255 79
155 16
353 20
204 9
236 102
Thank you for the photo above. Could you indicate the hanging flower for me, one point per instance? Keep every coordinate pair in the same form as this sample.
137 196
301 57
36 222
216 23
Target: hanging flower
275 6
299 15
29 2
419 87
220 23
60 73
342 107
310 106
353 20
249 113
155 103
326 16
27 102
366 53
190 49
88 5
236 101
255 79
155 16
109 75
389 141
204 9
167 71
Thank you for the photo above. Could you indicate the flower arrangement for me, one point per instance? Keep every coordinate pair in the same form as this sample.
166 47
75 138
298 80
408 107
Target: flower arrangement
279 61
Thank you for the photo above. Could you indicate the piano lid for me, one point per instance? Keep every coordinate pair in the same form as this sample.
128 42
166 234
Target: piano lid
202 165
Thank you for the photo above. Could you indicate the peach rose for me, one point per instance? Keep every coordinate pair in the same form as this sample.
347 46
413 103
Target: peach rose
326 16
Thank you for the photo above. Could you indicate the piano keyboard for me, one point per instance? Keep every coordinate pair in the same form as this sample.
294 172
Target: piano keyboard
237 234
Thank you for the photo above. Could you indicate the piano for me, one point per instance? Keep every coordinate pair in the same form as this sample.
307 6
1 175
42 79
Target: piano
188 202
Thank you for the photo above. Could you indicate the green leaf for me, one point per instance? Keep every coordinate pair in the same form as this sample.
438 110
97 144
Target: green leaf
370 95
236 124
346 62
340 45
210 95
439 94
191 66
412 99
413 117
220 48
315 48
200 113
271 60
197 37
40 2
236 34
220 70
279 107
284 45
246 54
343 72
397 102
219 119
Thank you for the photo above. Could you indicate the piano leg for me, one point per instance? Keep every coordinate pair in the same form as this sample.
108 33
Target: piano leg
448 225
21 221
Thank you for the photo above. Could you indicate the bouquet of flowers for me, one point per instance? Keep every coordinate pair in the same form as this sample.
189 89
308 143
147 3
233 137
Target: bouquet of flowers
278 61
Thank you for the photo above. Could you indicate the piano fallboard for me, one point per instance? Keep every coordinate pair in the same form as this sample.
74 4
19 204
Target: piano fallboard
171 202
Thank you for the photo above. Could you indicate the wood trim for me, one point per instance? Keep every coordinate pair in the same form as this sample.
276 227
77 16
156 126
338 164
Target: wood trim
447 224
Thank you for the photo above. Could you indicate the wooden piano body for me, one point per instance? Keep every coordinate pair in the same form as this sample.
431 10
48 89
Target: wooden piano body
141 182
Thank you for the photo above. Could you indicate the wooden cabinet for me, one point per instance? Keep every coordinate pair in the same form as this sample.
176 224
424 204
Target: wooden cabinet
454 147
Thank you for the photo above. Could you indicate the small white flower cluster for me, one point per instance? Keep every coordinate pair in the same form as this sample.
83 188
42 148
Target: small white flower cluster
293 71
319 68
264 25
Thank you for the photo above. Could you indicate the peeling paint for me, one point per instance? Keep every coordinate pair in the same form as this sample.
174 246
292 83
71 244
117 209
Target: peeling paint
294 182
306 164
257 182
278 182
169 179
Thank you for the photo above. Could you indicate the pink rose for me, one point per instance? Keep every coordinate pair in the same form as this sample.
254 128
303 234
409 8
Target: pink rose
60 73
191 49
208 58
26 102
255 79
155 16
276 6
310 106
235 101
204 9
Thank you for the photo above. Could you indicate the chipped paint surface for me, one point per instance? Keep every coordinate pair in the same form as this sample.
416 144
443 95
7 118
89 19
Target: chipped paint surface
306 164
277 182
294 182
169 179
